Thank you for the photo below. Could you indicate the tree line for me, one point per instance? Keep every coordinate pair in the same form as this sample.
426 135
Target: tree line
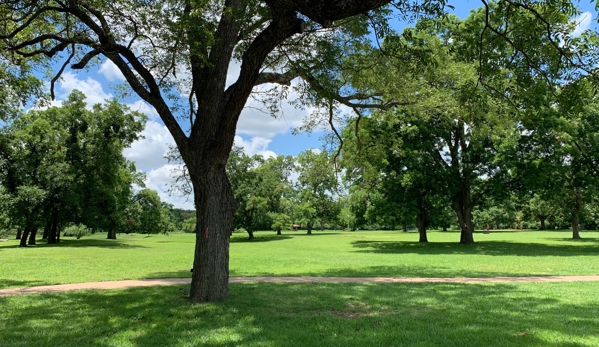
63 168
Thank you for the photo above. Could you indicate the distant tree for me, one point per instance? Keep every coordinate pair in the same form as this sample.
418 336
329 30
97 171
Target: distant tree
316 188
65 164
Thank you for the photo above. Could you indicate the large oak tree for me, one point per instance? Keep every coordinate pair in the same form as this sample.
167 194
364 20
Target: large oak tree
182 49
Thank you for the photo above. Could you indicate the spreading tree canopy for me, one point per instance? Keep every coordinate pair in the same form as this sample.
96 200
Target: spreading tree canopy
176 54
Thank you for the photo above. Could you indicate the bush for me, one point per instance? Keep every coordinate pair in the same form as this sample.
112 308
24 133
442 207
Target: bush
77 231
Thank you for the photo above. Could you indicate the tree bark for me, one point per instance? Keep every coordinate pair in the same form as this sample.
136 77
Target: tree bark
279 232
576 214
461 206
542 219
47 229
52 228
24 237
215 209
250 234
19 233
32 235
421 221
321 225
574 222
111 234
309 227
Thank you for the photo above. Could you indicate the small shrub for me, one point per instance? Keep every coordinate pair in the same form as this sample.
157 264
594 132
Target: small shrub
77 231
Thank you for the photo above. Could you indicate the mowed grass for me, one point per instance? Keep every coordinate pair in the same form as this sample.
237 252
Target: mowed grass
359 254
270 314
308 314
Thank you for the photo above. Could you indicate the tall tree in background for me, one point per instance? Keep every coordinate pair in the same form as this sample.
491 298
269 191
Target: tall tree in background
316 189
193 50
65 164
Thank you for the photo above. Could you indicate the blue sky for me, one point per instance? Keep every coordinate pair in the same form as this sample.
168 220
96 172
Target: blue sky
257 132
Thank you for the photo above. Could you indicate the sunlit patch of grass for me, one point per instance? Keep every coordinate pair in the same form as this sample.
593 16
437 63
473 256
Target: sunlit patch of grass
361 254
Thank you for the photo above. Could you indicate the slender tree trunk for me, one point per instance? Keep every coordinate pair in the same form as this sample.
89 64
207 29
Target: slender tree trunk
24 237
321 225
19 233
32 235
404 226
576 214
309 232
53 224
111 234
575 226
47 229
215 209
421 221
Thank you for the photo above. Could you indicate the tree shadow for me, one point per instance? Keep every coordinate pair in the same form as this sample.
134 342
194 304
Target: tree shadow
74 243
11 283
308 314
569 239
492 248
260 238
407 271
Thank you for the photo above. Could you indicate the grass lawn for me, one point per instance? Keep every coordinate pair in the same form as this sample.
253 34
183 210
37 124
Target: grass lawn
269 314
308 314
382 253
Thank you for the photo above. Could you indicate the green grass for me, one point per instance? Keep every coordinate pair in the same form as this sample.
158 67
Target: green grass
389 253
308 314
269 314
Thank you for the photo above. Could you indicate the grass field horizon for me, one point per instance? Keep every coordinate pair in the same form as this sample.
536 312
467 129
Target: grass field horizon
328 253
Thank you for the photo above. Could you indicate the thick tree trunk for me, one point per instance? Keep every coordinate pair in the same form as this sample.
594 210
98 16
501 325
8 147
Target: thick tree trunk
542 219
404 227
309 227
250 234
19 233
215 208
279 232
24 237
464 213
111 234
32 236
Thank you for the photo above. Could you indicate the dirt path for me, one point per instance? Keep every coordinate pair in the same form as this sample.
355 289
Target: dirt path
172 281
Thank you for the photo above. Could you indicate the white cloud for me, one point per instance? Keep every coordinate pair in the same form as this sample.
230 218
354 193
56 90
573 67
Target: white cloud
111 72
90 87
255 121
143 107
148 153
583 22
160 180
257 145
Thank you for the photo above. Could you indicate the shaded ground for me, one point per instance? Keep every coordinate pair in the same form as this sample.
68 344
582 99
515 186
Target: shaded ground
282 279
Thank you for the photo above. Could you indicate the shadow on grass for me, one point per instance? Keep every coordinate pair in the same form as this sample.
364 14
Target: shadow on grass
260 238
272 314
569 239
492 248
74 243
11 283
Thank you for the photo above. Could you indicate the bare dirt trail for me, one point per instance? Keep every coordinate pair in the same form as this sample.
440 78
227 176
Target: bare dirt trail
172 281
